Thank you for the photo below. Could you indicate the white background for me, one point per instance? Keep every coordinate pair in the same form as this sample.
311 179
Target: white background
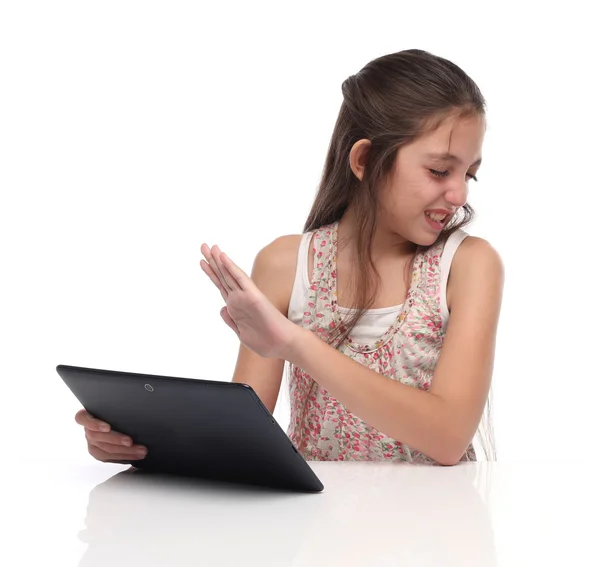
131 132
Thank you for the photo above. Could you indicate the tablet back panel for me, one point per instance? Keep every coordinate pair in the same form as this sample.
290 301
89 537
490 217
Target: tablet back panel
204 428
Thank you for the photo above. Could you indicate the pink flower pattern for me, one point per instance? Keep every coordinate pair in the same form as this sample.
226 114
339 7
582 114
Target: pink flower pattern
320 427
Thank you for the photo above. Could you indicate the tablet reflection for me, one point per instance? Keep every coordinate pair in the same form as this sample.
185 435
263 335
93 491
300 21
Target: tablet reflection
140 518
368 515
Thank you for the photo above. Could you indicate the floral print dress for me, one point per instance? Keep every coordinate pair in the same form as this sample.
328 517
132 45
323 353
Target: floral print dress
320 426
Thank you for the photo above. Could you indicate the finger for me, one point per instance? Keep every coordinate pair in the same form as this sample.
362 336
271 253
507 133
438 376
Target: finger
216 252
210 258
230 322
135 452
105 457
82 417
213 278
112 438
205 249
240 277
227 277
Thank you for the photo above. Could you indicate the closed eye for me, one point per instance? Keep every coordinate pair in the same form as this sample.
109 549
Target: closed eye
445 173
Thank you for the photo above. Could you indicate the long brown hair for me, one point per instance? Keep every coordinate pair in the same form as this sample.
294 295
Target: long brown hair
391 101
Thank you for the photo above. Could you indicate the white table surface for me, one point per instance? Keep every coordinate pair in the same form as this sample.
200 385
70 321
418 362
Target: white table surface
91 514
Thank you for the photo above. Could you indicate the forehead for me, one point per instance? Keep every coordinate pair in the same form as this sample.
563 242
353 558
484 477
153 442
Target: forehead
457 139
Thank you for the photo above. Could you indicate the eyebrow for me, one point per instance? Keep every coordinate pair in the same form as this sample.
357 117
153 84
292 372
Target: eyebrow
451 157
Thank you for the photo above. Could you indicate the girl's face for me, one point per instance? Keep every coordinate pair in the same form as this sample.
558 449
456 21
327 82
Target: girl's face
429 181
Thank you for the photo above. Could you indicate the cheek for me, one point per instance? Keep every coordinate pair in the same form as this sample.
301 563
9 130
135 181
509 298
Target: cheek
411 197
409 194
400 207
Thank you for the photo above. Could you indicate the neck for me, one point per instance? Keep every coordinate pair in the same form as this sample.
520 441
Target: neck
386 243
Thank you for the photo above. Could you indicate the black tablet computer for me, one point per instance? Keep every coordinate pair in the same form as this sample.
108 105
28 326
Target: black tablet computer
193 427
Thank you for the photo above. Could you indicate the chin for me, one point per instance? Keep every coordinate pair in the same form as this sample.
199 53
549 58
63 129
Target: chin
426 236
426 239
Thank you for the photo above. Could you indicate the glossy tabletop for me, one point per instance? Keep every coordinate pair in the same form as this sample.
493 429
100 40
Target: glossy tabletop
91 514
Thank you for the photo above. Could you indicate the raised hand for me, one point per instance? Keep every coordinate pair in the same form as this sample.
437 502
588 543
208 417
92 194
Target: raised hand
259 325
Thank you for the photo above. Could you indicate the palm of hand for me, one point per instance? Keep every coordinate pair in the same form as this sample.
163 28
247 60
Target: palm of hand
260 326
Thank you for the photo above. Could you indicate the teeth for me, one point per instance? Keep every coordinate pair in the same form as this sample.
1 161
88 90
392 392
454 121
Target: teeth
437 217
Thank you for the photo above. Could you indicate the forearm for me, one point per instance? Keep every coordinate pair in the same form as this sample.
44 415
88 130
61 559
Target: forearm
416 417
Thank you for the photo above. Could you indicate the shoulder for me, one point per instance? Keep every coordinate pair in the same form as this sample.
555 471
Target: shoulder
281 254
477 267
475 254
274 269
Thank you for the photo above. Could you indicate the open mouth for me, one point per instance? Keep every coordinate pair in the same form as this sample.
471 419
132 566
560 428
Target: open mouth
436 220
437 217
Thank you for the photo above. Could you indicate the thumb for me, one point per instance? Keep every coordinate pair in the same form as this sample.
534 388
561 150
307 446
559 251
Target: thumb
230 322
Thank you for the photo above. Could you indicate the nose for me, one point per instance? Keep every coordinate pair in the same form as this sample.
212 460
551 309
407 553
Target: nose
457 194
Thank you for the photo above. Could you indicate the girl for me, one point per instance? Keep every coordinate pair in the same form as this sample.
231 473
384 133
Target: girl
386 310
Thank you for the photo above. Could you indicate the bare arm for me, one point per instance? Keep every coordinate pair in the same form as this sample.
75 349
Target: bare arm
273 273
440 422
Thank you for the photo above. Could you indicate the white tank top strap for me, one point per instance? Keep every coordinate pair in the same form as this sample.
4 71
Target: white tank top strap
301 280
450 248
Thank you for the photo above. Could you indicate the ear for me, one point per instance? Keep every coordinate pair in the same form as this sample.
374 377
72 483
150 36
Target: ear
358 157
